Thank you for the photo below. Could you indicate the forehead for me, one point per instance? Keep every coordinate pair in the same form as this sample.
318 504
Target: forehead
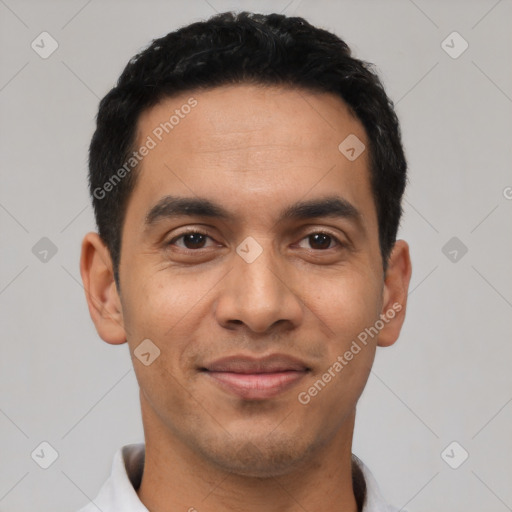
251 147
237 117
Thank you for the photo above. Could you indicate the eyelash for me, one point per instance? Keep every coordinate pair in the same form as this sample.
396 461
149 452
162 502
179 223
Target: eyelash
340 244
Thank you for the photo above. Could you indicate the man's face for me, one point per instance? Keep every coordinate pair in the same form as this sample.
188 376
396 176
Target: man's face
283 317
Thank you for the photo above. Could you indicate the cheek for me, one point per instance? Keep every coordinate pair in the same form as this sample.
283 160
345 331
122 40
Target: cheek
157 303
347 306
346 303
168 310
166 314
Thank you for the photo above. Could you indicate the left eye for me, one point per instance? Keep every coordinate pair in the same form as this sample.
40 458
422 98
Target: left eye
192 240
321 240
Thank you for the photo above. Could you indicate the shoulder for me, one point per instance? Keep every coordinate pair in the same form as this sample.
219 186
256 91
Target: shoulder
119 492
373 500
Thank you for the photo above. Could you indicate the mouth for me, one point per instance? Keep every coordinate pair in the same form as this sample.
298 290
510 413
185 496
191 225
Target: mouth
252 378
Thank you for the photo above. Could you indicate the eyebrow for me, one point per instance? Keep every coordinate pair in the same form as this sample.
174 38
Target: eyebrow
177 206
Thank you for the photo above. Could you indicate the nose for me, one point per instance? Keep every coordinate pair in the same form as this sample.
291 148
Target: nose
259 294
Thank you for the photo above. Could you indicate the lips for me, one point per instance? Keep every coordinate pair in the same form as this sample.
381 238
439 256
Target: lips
253 378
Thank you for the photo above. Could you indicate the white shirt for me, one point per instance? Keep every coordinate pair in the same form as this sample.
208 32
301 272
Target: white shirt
118 494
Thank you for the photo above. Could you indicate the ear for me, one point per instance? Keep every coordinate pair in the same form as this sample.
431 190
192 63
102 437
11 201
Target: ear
396 287
101 292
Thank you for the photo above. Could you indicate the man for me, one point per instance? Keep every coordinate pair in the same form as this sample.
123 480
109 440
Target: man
246 174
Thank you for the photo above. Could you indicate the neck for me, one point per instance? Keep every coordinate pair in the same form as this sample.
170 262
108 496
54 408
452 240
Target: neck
175 477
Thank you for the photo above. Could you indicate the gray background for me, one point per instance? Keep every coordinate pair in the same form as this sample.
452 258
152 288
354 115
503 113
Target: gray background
447 379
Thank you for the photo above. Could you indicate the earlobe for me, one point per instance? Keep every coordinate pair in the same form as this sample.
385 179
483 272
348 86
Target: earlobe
101 290
396 288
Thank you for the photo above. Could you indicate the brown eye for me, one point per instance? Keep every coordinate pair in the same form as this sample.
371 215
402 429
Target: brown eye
321 241
194 240
191 241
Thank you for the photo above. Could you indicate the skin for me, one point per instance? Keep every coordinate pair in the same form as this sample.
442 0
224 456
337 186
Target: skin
255 150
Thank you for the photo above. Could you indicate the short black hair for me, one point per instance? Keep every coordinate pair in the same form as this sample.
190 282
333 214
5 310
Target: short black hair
235 48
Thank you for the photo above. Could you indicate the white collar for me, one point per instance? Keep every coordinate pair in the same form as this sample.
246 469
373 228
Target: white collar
119 494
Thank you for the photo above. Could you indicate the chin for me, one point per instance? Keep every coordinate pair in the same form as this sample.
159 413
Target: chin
268 457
